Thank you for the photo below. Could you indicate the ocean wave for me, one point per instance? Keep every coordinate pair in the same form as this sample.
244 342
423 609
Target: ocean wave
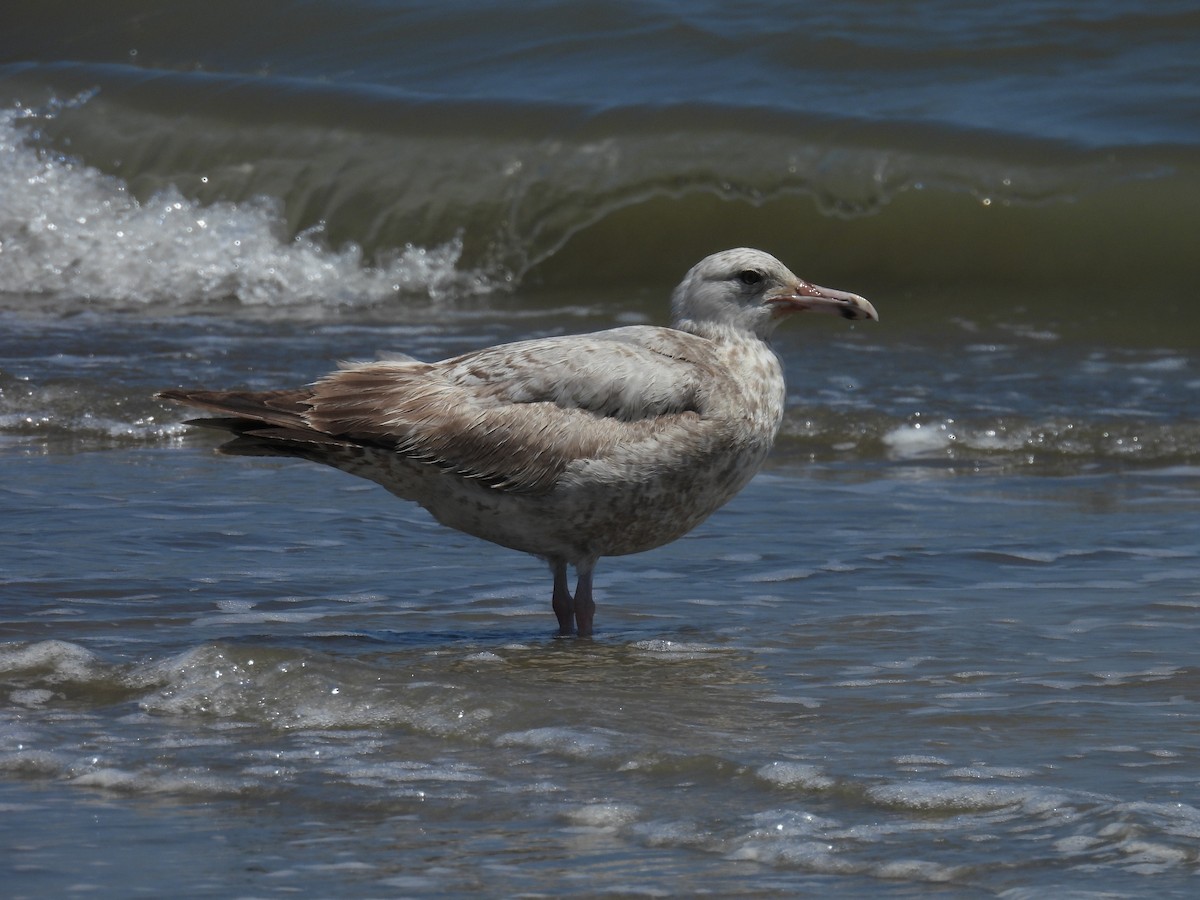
342 198
1006 442
73 237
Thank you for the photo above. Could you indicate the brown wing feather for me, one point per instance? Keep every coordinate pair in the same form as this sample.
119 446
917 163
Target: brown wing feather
284 408
513 417
511 446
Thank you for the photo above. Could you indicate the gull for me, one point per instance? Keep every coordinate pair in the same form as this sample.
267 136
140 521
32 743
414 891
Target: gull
569 448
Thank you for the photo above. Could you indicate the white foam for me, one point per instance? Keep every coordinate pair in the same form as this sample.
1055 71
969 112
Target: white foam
179 782
791 823
918 870
484 656
70 232
916 759
33 763
917 440
383 774
32 697
1148 857
815 856
567 741
946 796
260 617
59 660
793 774
603 815
660 648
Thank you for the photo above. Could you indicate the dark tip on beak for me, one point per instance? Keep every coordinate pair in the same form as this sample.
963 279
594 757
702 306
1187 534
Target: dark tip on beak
813 298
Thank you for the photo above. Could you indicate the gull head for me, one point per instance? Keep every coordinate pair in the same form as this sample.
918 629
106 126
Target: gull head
751 291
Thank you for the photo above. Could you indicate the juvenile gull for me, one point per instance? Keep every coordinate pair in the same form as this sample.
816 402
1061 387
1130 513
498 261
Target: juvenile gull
570 448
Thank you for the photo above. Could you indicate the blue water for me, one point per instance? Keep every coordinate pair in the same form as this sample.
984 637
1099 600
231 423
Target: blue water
944 643
1116 73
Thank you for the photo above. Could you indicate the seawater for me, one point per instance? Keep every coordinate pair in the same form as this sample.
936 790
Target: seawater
943 643
851 682
909 655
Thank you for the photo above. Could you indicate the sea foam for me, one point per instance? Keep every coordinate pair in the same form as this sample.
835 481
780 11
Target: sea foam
69 232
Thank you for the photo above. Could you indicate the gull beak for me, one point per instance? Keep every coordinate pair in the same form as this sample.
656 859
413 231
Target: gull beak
805 297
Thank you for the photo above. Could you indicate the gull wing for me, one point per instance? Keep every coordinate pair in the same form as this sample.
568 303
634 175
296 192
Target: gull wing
515 416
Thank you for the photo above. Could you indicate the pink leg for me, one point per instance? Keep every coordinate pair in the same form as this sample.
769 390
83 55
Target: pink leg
564 605
585 607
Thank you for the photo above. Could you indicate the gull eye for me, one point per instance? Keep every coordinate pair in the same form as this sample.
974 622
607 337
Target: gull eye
749 277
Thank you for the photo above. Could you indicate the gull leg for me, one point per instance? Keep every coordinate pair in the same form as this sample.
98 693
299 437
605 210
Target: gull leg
564 605
585 607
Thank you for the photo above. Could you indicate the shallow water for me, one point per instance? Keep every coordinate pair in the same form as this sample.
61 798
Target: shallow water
862 681
945 642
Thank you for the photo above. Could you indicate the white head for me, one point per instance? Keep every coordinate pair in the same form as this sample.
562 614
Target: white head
750 291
